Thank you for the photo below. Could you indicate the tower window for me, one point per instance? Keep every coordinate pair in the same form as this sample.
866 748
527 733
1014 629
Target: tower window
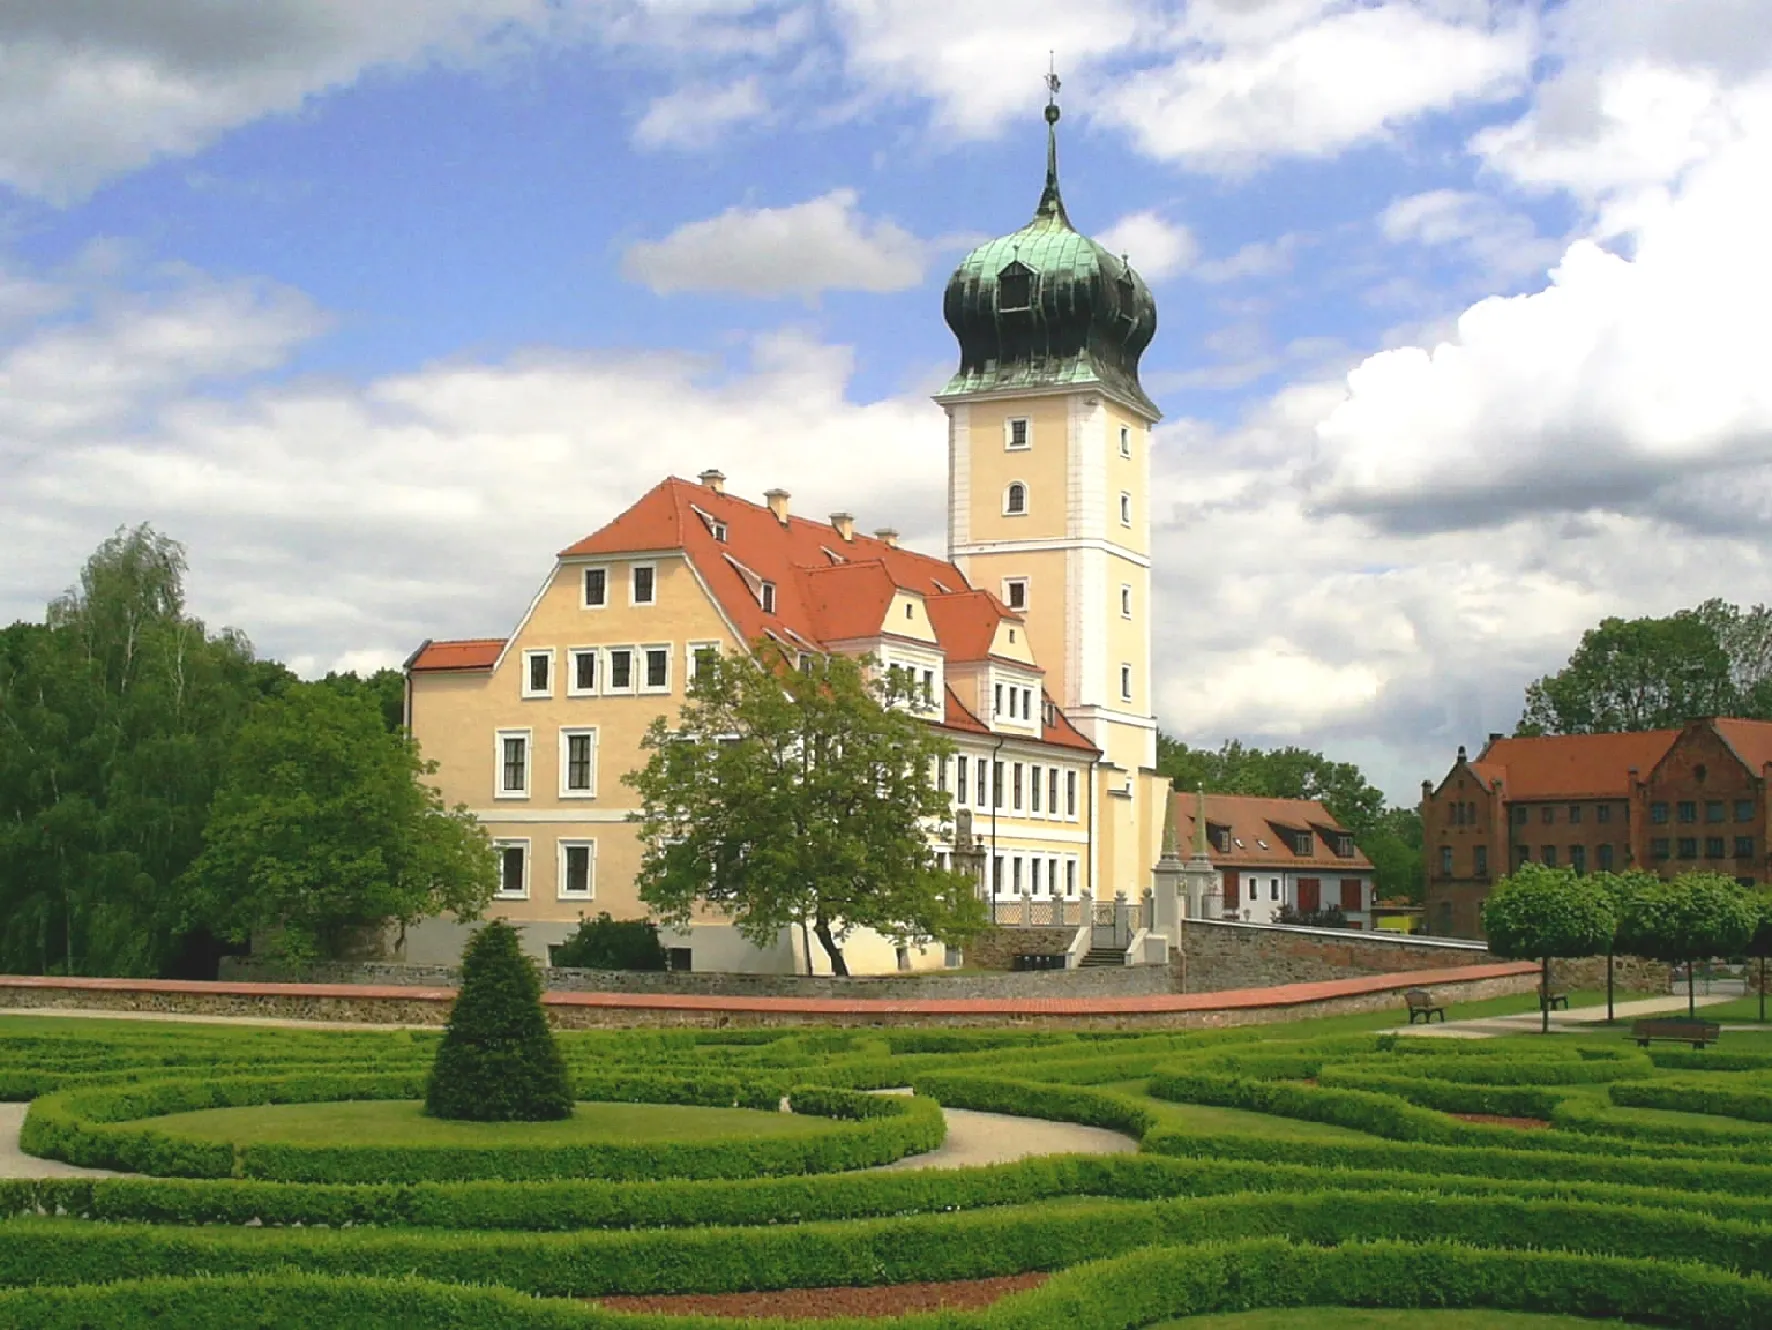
1125 508
1017 435
1015 499
1015 287
1015 593
1125 601
1125 441
1126 683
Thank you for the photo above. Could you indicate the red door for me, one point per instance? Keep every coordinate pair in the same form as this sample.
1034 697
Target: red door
1310 893
1351 896
1230 889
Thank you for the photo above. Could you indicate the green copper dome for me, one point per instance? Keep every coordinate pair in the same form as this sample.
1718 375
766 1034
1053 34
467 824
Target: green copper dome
1047 307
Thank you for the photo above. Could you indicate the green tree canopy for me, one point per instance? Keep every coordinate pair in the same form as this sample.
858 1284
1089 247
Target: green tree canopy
324 827
784 797
498 1061
1645 674
1692 918
1537 913
1389 837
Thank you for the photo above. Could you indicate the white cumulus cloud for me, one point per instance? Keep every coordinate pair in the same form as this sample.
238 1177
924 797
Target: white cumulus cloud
1157 247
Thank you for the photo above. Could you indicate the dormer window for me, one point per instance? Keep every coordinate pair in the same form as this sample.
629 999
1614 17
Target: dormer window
1303 843
766 597
1015 287
1015 499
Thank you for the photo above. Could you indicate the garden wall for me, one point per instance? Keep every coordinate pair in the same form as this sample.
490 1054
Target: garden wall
1216 956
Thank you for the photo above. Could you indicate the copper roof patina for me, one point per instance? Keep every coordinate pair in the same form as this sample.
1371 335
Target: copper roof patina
1048 307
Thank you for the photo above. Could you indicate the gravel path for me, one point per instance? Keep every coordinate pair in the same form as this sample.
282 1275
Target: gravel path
15 1163
1489 1027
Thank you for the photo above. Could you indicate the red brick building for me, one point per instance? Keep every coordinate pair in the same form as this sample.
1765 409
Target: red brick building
1667 800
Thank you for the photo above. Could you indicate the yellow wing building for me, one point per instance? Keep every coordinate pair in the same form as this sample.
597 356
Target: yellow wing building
1031 639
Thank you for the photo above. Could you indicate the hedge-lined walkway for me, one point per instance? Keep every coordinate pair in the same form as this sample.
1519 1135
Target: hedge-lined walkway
15 1163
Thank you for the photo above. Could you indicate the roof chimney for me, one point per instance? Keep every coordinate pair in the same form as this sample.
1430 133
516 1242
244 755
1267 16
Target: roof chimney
1495 734
778 504
845 524
1461 756
887 536
714 480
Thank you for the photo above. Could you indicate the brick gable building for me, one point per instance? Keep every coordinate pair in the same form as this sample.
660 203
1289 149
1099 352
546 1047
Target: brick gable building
1666 800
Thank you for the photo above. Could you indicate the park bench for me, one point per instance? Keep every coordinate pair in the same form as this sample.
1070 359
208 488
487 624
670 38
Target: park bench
1422 1004
1554 1001
1696 1033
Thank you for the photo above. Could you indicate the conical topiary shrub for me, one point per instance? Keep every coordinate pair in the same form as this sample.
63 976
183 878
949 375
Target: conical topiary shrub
498 1061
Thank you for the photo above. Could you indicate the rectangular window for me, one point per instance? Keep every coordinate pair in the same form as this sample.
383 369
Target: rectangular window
1548 856
1744 810
1574 815
702 657
578 759
1125 508
1034 875
983 800
583 682
1015 592
1547 815
621 670
928 688
996 785
1603 813
1016 435
1273 889
941 774
1658 848
1713 847
1605 857
1480 860
513 868
1052 791
1125 683
1688 810
766 597
1125 600
1033 789
1070 794
1027 704
596 588
645 584
1688 847
1713 810
1445 861
658 670
1521 855
960 786
1070 877
1744 847
1519 816
538 673
997 700
1658 813
1578 858
1017 787
997 874
577 867
1015 874
513 764
1125 441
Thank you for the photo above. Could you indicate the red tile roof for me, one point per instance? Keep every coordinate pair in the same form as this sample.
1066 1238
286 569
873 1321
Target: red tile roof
1751 740
1564 766
966 622
476 653
1253 820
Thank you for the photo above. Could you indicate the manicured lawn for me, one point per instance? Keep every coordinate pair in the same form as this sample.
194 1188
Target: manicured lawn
1743 1010
400 1122
1367 1318
1235 1121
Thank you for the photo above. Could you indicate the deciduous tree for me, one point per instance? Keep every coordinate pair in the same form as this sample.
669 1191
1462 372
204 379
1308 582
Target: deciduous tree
786 797
1692 918
1537 913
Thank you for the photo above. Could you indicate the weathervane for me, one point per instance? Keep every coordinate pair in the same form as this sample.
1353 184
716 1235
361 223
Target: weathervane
1052 87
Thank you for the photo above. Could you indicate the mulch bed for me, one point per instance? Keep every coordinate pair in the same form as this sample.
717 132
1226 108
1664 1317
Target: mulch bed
1524 1124
884 1300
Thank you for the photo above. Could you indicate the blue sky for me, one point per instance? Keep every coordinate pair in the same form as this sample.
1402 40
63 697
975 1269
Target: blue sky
375 307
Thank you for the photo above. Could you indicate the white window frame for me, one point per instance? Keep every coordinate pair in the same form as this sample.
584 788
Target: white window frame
766 596
498 763
1125 600
1071 802
690 661
1026 499
1125 441
573 654
1009 585
1052 792
608 683
1070 875
1036 775
530 655
1125 681
567 734
501 844
1126 508
1027 434
560 878
1018 787
645 668
584 601
633 580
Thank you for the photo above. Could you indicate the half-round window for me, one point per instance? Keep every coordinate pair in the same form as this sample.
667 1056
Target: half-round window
1015 498
1015 287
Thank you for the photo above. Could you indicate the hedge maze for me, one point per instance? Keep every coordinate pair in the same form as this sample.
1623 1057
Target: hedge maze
1286 1166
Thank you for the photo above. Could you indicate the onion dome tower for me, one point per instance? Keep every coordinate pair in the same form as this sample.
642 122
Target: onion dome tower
1046 305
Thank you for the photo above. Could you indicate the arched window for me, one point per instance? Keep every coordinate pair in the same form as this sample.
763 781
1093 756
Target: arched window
1015 498
1015 286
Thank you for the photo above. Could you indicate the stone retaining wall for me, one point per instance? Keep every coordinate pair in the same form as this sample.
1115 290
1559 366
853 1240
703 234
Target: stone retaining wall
997 948
1106 981
1216 956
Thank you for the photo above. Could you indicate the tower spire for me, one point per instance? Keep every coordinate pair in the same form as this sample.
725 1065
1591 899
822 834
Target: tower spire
1051 202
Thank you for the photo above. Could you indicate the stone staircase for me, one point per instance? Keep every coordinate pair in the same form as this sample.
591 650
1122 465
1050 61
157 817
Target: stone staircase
1098 956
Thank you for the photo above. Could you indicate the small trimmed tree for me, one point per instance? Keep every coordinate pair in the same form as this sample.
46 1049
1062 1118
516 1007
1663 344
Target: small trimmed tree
1759 947
498 1061
1621 888
1536 913
1692 918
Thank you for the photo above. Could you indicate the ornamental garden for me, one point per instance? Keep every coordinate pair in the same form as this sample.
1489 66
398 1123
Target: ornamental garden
1306 1174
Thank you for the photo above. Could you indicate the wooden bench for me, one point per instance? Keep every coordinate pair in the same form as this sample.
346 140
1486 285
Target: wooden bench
1421 1004
1696 1033
1554 1001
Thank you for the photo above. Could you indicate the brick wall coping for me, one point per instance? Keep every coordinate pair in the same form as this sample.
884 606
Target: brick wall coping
1382 935
1280 995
